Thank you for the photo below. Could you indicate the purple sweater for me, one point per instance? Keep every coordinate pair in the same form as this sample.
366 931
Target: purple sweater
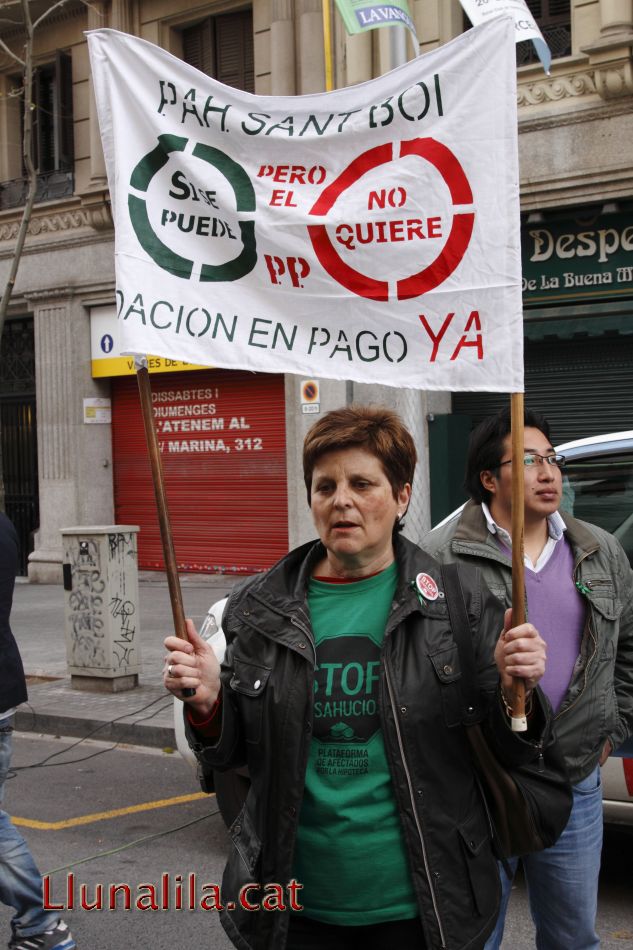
557 610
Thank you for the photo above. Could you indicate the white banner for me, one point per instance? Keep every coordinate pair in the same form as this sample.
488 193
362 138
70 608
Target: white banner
371 233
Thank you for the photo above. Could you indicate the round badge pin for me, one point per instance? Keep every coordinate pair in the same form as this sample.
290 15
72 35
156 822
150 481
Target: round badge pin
427 587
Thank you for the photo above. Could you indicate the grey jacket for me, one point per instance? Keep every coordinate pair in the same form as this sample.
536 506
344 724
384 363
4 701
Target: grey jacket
599 700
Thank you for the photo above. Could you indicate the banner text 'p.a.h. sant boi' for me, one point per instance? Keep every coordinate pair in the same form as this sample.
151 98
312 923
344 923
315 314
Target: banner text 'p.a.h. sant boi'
370 233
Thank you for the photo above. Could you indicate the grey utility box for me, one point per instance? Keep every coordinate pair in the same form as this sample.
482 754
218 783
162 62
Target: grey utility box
103 643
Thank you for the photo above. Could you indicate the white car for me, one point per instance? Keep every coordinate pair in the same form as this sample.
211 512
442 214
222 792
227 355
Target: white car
597 487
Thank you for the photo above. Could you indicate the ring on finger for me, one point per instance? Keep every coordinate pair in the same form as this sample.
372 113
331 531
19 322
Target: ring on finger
170 669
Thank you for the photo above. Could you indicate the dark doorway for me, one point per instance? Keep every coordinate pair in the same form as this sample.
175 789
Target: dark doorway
18 432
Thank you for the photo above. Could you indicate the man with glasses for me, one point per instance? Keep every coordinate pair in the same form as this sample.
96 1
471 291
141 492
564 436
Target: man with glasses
579 592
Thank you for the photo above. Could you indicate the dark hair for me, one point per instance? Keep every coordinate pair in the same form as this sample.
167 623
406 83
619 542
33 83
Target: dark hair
376 429
486 445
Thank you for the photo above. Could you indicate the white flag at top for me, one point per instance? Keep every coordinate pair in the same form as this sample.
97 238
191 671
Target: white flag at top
525 26
370 233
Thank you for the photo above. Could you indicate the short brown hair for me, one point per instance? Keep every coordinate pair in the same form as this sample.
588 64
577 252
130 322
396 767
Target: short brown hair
376 429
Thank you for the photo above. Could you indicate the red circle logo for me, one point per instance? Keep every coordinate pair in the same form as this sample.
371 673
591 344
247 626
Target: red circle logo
429 277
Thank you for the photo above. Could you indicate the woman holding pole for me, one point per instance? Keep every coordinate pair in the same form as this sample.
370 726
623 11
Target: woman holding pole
364 825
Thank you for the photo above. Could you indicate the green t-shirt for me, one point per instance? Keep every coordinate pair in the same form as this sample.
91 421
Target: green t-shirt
350 854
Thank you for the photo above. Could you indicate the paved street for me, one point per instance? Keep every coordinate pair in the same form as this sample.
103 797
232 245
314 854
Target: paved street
97 806
63 796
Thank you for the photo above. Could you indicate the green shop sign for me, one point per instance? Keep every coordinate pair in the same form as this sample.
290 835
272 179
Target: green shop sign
569 260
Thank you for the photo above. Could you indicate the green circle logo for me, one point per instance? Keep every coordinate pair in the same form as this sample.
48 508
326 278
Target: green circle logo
164 256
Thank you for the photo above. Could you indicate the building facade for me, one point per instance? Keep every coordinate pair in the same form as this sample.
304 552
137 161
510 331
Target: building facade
71 438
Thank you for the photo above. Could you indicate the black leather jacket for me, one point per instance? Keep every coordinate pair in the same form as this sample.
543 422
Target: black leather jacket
267 684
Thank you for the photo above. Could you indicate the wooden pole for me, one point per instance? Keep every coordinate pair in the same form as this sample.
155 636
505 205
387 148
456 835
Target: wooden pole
169 554
518 721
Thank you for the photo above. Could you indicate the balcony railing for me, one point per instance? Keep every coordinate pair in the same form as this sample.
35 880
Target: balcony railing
557 37
50 187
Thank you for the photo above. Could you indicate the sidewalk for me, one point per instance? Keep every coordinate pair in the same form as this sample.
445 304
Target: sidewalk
140 716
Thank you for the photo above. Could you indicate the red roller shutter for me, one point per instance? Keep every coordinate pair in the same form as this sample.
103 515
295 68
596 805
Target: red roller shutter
223 446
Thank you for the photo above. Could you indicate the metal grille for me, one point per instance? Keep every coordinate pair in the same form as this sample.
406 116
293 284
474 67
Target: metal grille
583 387
18 432
558 38
554 20
19 456
223 446
50 187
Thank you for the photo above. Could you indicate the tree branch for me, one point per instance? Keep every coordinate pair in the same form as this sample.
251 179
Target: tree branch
10 53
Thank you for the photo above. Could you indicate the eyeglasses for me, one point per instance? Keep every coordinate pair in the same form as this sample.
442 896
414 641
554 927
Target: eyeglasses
531 458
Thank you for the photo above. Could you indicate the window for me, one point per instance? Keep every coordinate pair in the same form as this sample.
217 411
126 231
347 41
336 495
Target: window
554 20
53 116
52 142
222 47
